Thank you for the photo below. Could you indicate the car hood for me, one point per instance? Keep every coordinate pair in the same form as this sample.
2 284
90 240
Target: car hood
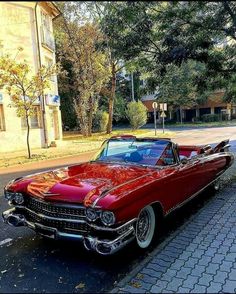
82 183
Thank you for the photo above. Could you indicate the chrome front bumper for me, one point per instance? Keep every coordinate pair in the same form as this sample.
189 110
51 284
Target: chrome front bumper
126 233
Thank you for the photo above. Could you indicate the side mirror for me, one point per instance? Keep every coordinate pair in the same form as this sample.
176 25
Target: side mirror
184 160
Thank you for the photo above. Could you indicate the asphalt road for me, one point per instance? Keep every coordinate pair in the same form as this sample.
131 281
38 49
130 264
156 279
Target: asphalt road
30 263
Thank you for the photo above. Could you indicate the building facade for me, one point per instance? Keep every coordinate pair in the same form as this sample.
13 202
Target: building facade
213 105
30 25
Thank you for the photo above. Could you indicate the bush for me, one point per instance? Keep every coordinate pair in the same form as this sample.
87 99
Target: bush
210 117
100 121
137 114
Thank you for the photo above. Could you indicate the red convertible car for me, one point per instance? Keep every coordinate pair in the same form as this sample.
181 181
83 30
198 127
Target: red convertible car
119 195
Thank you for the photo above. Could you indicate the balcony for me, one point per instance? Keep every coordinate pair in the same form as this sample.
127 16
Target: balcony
47 39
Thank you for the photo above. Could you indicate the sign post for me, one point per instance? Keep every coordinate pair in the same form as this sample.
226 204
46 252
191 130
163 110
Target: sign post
154 106
163 108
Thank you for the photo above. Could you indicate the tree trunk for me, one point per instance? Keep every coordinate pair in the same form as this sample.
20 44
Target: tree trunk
181 118
90 116
111 99
28 130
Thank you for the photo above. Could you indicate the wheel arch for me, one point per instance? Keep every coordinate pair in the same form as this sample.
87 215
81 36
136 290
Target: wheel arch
158 209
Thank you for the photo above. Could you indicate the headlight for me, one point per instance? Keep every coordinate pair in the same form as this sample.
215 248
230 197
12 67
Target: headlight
91 214
9 195
108 218
19 198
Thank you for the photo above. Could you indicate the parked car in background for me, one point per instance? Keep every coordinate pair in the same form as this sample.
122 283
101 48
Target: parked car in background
118 196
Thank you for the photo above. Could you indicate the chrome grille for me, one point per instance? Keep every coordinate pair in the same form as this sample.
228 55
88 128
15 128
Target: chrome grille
61 225
56 210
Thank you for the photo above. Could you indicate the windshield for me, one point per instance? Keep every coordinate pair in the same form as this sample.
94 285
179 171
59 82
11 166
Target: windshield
137 151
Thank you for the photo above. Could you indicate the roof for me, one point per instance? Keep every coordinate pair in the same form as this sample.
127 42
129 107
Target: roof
54 9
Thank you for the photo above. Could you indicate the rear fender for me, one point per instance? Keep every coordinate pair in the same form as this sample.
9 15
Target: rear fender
223 146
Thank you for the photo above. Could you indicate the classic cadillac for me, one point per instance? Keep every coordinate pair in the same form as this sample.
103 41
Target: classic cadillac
120 195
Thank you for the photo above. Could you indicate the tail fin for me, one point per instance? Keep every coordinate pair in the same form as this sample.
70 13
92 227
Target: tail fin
223 146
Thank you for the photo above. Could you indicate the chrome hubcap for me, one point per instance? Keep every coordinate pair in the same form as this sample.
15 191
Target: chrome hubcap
143 226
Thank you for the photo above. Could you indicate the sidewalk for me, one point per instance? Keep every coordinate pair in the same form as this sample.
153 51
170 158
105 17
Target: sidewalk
199 257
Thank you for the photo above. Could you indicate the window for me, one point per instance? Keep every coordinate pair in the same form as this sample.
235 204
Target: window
34 120
2 120
46 31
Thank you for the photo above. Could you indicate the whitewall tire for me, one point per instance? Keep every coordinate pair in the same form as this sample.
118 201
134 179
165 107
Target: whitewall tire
145 227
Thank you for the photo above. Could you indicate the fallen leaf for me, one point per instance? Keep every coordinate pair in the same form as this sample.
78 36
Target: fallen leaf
139 276
80 286
135 284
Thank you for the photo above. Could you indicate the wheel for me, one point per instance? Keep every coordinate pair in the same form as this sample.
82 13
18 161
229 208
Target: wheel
145 227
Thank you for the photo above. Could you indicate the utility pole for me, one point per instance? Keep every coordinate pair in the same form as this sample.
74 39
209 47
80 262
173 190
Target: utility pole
132 85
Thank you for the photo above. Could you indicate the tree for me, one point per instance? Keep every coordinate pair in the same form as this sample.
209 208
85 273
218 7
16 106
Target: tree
178 86
137 114
99 12
24 87
163 33
86 66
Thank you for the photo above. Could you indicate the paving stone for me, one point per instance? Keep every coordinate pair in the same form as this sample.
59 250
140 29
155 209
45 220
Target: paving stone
229 286
171 253
191 262
166 257
228 242
184 290
205 279
131 289
173 249
214 287
198 270
199 289
216 244
169 274
160 286
232 274
185 255
223 249
212 268
230 257
152 273
210 252
146 278
177 264
221 237
205 260
220 277
183 272
198 253
190 281
218 258
232 248
161 262
192 247
156 267
174 284
226 266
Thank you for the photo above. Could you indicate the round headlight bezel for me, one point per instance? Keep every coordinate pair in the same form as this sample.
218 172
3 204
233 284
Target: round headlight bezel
18 198
89 212
108 218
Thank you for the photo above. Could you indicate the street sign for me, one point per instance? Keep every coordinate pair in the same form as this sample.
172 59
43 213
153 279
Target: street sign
154 105
163 114
163 106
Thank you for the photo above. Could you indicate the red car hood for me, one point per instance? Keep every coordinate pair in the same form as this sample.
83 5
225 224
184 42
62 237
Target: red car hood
81 183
